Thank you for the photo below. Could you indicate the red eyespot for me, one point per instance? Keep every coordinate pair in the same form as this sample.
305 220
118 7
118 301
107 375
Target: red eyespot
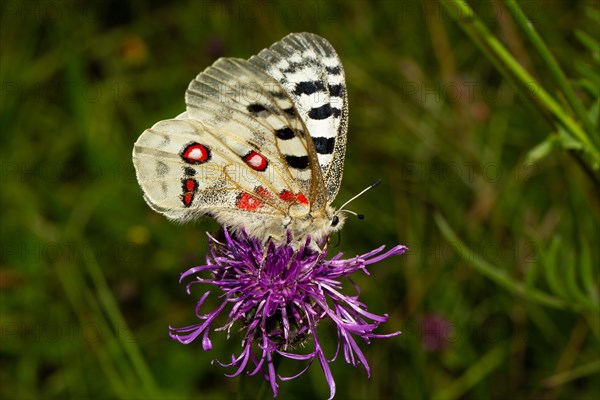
195 153
248 202
256 161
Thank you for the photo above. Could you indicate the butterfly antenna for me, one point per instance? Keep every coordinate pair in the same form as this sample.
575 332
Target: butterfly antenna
359 216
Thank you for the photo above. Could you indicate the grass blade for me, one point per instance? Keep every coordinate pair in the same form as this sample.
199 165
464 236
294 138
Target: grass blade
551 63
492 272
509 66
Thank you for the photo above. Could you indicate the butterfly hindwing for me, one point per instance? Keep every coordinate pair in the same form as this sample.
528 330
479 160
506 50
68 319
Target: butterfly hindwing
185 171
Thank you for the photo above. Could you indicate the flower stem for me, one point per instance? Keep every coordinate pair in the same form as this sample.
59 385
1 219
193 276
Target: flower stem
241 386
494 273
551 63
509 66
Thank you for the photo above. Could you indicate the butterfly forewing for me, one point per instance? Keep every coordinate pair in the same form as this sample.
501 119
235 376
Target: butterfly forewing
308 67
252 113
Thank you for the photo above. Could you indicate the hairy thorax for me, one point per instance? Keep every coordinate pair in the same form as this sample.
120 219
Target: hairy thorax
300 222
317 225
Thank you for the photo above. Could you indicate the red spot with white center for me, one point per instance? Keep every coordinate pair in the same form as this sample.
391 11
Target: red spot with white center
256 161
291 197
195 153
248 202
189 187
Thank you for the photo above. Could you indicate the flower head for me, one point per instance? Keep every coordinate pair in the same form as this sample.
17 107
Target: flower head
278 294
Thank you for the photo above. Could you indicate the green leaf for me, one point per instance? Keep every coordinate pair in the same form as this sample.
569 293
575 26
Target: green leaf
494 273
595 112
475 374
532 273
588 41
588 275
553 269
564 275
558 140
542 149
572 374
567 141
572 272
590 79
593 14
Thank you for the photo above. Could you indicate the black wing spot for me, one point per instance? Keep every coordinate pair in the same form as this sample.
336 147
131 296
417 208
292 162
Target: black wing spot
324 145
308 87
336 90
285 133
324 112
295 66
188 171
256 108
290 112
278 95
334 70
297 162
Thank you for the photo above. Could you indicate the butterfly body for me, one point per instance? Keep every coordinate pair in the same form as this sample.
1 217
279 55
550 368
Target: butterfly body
260 147
316 225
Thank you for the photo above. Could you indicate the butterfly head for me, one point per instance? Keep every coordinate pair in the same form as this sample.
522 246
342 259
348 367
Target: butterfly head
334 220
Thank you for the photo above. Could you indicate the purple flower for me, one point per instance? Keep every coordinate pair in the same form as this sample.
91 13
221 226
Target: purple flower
436 331
278 294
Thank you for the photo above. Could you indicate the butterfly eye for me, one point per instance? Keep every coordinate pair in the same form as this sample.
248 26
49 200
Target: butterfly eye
335 220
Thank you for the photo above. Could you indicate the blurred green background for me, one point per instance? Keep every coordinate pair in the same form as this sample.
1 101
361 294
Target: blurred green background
497 298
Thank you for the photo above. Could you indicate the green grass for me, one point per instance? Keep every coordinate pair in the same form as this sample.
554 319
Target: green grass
483 126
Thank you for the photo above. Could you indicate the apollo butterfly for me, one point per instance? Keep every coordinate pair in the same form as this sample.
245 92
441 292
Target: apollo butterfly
260 146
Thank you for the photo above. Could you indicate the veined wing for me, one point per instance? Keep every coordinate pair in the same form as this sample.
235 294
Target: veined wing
308 67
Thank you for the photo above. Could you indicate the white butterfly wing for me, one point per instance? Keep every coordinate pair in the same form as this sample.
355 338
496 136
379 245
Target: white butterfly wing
253 113
185 171
308 67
